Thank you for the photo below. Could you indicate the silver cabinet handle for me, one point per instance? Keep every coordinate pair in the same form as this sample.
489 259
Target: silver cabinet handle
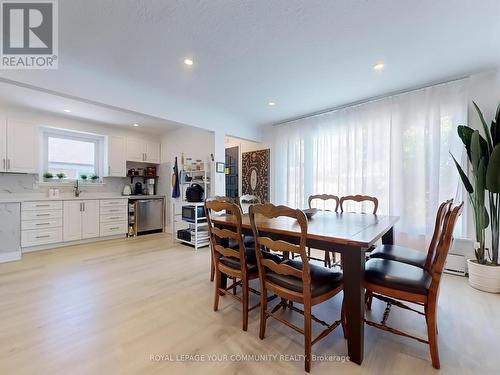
8 163
114 217
47 236
114 210
83 206
114 228
39 224
42 214
4 164
42 205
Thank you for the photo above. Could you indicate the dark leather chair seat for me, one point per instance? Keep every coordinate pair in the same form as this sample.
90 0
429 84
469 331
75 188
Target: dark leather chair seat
251 260
397 275
247 240
400 254
323 280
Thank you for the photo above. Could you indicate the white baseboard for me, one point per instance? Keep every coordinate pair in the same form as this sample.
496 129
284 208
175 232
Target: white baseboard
10 257
70 243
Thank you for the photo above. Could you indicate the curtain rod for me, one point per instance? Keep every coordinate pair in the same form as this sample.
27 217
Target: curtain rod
368 100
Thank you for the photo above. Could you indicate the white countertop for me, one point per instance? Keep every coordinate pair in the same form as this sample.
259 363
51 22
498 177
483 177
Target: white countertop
18 198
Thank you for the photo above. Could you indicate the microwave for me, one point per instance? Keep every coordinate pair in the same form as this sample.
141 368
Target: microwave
189 213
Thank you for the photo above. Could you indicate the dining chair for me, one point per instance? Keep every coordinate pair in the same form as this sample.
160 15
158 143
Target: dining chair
248 240
322 200
412 256
292 280
234 263
358 198
246 200
395 283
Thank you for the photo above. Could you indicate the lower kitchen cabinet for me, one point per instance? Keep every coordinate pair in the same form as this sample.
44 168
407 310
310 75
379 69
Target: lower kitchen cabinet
81 220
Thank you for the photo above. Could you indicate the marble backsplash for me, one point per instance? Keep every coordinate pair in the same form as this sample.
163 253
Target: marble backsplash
11 183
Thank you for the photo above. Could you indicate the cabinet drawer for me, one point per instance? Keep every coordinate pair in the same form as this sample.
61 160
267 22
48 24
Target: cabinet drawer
118 210
110 218
42 205
41 237
111 229
41 215
113 202
41 224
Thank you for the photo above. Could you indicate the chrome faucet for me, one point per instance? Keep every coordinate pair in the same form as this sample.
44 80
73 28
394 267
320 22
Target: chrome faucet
77 189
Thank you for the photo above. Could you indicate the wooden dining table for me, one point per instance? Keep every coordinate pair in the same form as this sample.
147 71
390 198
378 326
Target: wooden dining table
351 235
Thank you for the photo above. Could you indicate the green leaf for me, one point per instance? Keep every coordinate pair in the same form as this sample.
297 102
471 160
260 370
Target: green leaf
463 176
493 171
465 134
475 151
481 182
485 126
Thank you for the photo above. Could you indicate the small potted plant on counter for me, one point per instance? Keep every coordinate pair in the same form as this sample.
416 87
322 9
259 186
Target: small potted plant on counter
94 178
83 177
60 176
483 188
47 176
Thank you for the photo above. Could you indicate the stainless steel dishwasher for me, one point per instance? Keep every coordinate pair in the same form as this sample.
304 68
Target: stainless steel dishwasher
149 215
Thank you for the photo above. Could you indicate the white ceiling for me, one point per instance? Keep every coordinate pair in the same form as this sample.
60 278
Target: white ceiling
306 55
12 95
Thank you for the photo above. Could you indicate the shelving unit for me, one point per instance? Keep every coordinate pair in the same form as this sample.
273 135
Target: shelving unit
199 226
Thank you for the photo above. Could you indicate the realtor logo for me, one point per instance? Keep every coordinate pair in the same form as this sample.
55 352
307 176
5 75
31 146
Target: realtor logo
29 34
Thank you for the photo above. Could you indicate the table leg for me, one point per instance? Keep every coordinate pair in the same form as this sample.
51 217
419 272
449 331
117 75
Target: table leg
354 295
388 238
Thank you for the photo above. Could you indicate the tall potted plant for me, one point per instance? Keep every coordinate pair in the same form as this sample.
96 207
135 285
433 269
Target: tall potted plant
484 159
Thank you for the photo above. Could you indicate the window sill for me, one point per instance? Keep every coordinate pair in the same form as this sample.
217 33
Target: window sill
70 183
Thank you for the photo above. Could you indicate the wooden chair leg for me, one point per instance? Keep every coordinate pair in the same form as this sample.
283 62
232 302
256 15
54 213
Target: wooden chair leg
368 300
212 268
343 318
327 260
245 304
217 286
263 308
307 336
432 333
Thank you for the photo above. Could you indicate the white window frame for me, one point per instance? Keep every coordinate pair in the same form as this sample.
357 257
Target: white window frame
98 141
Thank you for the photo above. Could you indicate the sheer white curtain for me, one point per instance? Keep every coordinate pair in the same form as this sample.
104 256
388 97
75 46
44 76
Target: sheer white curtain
396 149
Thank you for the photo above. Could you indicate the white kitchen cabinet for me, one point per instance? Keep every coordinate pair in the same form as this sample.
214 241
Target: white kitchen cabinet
143 151
3 145
81 220
41 223
72 223
90 219
18 147
153 152
117 165
136 149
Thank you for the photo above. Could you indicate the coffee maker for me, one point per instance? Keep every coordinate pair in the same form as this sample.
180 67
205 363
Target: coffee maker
150 186
138 188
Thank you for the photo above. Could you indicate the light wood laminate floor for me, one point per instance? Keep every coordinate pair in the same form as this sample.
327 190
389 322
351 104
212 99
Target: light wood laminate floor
111 307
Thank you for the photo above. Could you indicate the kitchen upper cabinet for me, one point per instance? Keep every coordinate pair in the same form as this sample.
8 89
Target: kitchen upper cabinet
117 165
18 147
81 220
136 149
3 145
143 151
153 152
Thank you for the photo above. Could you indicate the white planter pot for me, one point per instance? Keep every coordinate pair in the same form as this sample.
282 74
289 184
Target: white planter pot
482 277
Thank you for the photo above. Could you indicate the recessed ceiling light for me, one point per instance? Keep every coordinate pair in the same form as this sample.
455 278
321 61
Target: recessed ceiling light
378 67
67 111
271 104
136 125
188 61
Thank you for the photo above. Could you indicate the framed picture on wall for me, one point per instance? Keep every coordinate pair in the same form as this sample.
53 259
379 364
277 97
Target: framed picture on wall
219 167
255 174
